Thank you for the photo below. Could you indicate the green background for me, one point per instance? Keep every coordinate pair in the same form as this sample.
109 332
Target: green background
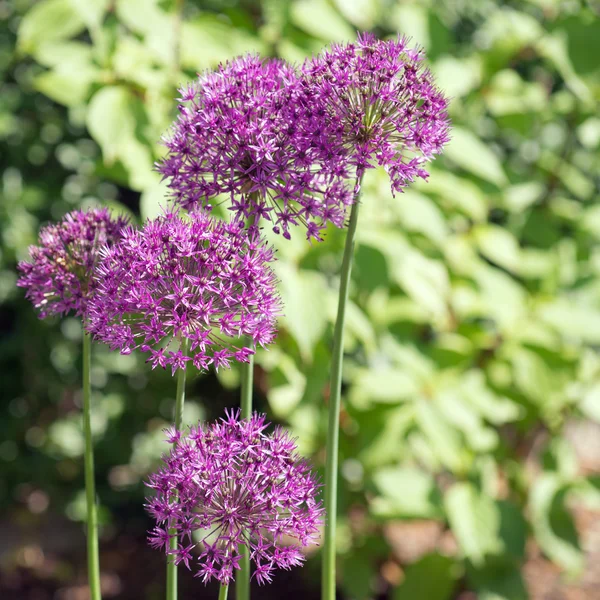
470 446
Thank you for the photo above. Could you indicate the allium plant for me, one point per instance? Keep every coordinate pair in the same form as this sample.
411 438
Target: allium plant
59 278
186 278
186 288
246 136
380 105
227 486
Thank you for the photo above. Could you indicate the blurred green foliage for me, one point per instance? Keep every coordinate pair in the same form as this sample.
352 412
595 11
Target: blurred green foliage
474 327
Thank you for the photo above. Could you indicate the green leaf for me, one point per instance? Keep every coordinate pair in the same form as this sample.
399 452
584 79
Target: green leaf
370 268
459 413
590 402
383 432
495 409
458 76
361 13
115 119
498 580
386 386
48 20
475 521
513 529
110 116
572 320
61 53
425 280
405 492
583 41
433 577
303 294
357 575
66 86
444 440
411 19
207 40
499 246
554 49
458 193
470 153
321 20
501 297
92 12
147 18
553 525
420 214
521 196
154 199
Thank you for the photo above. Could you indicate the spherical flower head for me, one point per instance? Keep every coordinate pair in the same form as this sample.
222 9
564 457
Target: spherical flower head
186 277
58 278
229 485
380 105
239 139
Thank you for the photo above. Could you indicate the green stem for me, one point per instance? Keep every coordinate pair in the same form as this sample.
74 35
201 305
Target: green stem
242 585
90 492
333 429
223 591
178 422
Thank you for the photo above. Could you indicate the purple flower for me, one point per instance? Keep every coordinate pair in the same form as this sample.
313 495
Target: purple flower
186 277
242 134
233 485
59 276
379 106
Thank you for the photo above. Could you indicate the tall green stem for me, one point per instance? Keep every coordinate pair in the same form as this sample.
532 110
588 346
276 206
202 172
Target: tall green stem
223 591
178 422
242 584
333 428
90 491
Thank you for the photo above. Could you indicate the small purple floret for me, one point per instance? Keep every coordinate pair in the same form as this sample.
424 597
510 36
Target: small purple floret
59 275
234 485
186 276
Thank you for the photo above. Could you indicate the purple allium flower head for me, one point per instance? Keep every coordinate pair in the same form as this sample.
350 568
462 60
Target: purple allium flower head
379 105
186 276
242 137
59 276
234 485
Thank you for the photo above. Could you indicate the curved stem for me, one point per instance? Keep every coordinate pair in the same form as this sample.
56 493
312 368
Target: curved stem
242 585
223 591
178 422
90 491
333 428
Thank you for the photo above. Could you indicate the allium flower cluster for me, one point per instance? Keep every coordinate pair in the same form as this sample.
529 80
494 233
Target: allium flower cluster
380 105
245 131
233 485
59 276
186 278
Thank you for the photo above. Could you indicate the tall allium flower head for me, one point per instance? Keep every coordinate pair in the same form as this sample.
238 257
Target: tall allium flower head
238 139
187 277
380 105
235 485
59 275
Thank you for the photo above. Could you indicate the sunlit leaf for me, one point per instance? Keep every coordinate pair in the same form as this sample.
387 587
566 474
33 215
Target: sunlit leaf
475 521
405 492
553 524
470 153
319 18
49 20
